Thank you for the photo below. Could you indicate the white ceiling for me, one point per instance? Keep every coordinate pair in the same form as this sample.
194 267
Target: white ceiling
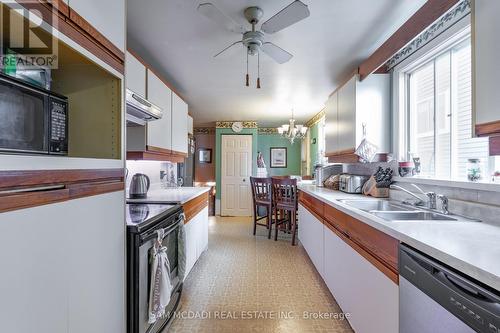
180 43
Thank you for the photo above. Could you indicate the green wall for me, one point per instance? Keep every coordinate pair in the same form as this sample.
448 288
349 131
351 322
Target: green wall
218 140
313 148
266 141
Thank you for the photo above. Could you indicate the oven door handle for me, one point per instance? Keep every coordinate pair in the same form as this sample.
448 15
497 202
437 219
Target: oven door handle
166 230
171 227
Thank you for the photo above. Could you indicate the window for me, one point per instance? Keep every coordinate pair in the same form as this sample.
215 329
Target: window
439 114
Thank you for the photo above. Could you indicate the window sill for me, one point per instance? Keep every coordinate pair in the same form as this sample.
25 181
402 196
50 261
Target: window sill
480 186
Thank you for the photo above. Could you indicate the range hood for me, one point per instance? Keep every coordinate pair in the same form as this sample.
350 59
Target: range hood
140 110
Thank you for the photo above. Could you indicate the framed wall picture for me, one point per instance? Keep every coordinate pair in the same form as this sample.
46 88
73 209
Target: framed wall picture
278 157
205 155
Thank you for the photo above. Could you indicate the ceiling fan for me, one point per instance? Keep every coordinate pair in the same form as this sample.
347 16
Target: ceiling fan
254 40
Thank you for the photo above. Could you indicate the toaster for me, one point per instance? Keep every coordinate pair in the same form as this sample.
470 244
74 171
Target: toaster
351 183
323 172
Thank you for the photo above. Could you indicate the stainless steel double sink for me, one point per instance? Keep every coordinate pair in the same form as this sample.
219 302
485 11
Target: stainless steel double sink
395 211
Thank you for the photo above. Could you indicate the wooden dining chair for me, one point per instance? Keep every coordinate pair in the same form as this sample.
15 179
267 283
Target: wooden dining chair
262 197
285 200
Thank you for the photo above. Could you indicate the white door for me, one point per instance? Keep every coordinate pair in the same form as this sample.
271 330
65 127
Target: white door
235 176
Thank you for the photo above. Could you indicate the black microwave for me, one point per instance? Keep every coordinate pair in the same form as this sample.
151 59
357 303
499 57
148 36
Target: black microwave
32 120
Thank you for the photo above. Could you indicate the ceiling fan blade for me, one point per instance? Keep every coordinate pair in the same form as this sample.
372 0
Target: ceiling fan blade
277 53
227 48
291 14
215 15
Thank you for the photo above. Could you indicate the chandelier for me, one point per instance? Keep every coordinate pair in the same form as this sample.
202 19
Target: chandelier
291 131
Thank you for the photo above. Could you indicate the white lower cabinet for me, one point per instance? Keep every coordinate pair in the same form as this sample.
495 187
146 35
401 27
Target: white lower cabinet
63 267
311 237
196 238
360 289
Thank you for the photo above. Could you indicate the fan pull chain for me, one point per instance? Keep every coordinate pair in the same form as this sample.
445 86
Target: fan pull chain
247 77
258 70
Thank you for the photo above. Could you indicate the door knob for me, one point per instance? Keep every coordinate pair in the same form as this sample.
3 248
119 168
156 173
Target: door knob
244 180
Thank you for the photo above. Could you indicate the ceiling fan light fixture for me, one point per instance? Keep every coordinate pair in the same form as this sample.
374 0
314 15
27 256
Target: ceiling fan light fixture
254 40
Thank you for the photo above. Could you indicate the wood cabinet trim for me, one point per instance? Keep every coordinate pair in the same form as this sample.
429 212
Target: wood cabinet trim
315 205
79 30
310 210
16 179
423 18
158 149
495 145
394 276
194 206
488 129
75 184
86 27
155 155
178 153
348 156
379 244
375 246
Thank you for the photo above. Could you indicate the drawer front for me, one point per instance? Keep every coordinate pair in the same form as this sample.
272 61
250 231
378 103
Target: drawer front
313 204
378 244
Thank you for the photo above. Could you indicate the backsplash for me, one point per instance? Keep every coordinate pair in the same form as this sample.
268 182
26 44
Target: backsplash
152 169
477 204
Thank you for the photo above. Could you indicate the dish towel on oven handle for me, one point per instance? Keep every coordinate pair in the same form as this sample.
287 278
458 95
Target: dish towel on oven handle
181 249
161 287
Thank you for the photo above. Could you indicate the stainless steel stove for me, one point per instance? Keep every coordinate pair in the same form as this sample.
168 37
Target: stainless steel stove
143 220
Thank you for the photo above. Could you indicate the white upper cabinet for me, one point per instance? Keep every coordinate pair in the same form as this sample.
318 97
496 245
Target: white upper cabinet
135 75
486 52
108 17
179 124
190 124
346 118
356 104
373 108
159 132
331 123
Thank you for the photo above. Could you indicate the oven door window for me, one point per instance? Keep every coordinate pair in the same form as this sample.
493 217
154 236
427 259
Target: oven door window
171 242
23 125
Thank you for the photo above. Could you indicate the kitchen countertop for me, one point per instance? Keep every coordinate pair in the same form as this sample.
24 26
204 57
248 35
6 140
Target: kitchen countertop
172 194
472 248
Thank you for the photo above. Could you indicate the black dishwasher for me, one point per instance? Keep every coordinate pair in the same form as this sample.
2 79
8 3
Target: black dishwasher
434 298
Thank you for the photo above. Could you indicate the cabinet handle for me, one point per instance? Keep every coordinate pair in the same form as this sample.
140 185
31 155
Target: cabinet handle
33 189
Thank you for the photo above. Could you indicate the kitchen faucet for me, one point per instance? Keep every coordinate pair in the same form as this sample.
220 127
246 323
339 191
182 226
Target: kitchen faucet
430 195
431 198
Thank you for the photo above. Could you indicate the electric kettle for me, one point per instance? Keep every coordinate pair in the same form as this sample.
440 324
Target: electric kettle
139 186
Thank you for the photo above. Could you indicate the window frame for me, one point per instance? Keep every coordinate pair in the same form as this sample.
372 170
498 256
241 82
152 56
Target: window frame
400 103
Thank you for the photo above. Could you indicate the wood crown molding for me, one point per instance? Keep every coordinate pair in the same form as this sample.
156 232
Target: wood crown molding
22 189
488 129
431 11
